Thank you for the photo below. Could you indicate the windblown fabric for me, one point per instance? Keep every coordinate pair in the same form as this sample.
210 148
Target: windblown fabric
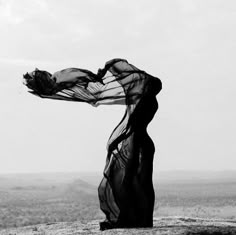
126 191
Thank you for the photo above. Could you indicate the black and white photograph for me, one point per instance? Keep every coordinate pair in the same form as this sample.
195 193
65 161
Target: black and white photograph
117 117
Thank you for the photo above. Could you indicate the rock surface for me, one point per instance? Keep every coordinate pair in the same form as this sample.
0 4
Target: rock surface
162 226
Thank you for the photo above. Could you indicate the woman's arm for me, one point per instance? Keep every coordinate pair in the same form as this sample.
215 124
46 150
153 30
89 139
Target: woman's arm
124 84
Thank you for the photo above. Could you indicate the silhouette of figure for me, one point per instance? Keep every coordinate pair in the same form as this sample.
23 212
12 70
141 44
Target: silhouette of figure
126 192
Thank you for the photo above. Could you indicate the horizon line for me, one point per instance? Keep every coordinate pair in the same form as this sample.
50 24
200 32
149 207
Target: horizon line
97 171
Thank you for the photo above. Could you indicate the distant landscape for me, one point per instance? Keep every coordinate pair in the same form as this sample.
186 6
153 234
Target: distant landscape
28 199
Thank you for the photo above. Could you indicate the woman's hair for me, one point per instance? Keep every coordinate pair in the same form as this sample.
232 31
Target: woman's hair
40 82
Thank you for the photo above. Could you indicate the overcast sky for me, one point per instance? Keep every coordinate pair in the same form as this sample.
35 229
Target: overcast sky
190 45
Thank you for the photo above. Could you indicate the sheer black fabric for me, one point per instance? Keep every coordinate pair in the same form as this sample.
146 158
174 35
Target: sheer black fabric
126 191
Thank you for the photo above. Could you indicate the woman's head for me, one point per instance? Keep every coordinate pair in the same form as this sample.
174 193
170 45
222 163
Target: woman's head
40 82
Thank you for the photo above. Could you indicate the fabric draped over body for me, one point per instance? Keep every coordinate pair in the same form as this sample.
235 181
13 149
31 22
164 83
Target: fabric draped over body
126 191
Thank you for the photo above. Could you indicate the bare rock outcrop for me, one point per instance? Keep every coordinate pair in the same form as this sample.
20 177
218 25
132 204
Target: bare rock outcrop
162 226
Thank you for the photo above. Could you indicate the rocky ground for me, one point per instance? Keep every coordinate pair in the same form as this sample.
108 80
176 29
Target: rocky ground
164 225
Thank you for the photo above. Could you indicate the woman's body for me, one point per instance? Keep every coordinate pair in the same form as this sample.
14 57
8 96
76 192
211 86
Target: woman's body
126 192
128 174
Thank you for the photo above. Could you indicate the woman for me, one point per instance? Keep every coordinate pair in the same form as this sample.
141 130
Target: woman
126 191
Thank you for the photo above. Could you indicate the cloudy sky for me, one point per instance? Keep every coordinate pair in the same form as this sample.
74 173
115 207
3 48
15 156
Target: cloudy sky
190 45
